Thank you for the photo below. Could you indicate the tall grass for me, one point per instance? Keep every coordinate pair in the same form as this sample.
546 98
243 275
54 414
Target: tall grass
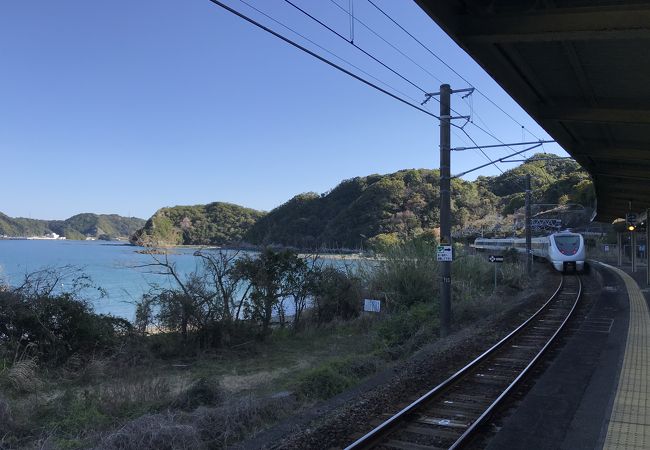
406 275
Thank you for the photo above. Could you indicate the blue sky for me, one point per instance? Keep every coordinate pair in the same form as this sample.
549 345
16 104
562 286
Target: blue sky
127 106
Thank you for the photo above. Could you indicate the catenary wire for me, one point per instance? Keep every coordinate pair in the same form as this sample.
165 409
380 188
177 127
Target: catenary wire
356 19
517 181
398 50
326 50
489 132
479 147
351 42
494 163
323 59
448 66
317 56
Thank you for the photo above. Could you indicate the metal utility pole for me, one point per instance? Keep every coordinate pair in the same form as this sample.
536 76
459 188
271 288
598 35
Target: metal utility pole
445 206
529 250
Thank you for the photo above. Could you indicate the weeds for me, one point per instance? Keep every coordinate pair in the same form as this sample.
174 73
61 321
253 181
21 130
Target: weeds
22 375
394 331
153 432
200 393
203 428
334 377
6 420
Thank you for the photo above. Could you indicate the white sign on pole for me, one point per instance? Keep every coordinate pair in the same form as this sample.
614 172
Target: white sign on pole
444 253
606 248
495 259
371 305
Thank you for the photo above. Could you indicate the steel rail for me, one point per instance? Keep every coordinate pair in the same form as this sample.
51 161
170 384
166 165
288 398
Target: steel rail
374 436
478 422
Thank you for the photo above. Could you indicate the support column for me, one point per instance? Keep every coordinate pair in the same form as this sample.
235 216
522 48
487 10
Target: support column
619 247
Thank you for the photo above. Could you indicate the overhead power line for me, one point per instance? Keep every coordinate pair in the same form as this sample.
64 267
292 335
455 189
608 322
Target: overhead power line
447 65
369 28
479 148
315 55
351 42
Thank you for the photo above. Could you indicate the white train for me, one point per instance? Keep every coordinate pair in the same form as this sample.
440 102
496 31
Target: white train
564 250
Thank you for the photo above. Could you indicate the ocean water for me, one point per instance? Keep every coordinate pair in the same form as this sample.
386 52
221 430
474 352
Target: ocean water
113 266
110 265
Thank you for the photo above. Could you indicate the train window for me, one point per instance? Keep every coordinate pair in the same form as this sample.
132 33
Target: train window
568 245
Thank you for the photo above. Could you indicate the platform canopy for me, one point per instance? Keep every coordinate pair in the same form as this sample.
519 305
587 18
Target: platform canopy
581 69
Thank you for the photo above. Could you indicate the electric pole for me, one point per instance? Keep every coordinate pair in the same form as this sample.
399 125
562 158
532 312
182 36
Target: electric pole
529 250
445 206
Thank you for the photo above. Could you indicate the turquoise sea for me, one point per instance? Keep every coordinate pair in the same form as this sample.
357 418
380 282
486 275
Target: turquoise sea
110 265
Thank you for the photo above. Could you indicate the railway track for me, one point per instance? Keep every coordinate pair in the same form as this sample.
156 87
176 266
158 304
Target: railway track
448 415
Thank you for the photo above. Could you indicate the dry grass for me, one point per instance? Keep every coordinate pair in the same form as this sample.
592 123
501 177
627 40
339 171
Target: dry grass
5 418
205 427
124 394
153 432
23 375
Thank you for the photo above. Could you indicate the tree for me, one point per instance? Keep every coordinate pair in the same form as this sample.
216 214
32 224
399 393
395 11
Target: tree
268 276
194 304
303 282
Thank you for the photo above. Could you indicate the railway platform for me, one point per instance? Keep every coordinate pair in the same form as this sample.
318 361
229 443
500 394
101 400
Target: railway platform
594 392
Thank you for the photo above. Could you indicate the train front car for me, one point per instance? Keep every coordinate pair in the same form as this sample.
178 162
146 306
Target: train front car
567 252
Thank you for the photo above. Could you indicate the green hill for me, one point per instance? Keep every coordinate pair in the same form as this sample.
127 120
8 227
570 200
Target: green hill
375 209
76 227
212 224
396 205
22 227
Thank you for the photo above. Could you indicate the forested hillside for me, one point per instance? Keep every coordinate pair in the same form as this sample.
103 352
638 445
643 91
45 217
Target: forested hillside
385 207
212 224
20 226
373 210
81 226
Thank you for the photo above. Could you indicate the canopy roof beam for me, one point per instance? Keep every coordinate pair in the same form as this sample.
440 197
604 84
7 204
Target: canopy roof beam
567 24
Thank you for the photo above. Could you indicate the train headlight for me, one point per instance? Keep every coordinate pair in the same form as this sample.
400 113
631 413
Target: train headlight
631 227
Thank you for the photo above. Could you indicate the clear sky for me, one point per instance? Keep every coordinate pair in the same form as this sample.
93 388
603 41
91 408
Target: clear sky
130 105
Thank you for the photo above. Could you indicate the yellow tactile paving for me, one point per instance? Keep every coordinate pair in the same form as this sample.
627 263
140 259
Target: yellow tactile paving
629 424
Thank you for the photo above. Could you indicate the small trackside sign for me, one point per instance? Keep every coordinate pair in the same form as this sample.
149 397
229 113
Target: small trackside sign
444 253
371 305
495 259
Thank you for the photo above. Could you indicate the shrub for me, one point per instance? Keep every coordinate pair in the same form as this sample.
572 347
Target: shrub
338 295
334 377
398 328
322 383
54 327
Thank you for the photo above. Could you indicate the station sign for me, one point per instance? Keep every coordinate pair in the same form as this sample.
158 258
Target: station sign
495 259
444 253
